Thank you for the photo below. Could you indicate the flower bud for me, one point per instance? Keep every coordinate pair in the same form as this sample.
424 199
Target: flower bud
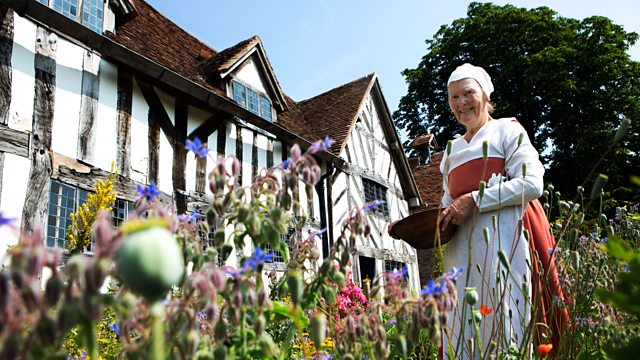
477 316
485 234
521 138
285 201
211 217
401 341
52 291
318 328
485 150
260 324
471 296
575 259
294 280
524 170
253 225
243 212
622 130
295 152
504 259
596 190
481 187
220 331
276 213
449 144
329 295
220 353
580 190
235 167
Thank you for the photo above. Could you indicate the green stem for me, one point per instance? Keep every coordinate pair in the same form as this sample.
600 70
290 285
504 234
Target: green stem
157 331
92 339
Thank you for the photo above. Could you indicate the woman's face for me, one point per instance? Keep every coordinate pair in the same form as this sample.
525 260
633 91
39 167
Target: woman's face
468 103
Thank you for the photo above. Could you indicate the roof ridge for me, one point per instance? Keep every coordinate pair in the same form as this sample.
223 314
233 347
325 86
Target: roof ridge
371 76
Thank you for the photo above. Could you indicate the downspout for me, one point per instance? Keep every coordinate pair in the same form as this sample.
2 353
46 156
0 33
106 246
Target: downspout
327 236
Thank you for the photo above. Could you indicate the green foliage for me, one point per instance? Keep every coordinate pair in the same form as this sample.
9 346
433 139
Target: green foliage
80 231
109 344
567 81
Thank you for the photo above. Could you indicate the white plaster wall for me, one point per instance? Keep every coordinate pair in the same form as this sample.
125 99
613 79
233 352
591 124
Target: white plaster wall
230 143
169 103
248 74
139 136
165 171
247 144
67 98
107 119
15 178
23 74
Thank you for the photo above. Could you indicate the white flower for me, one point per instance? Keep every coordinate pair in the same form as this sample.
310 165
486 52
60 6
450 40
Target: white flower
495 179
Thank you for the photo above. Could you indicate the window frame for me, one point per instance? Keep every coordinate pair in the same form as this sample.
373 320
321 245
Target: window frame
81 6
372 191
250 93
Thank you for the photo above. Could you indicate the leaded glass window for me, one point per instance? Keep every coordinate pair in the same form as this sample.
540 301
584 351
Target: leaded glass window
375 191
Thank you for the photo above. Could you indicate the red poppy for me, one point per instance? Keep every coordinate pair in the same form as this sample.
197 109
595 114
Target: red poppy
544 349
485 310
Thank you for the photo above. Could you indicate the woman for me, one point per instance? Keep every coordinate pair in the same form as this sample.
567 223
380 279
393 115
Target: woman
514 180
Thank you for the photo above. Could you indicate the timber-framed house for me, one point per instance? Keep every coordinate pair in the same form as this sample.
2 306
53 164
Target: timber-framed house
88 83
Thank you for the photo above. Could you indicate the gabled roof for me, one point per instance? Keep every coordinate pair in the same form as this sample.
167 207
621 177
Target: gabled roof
157 38
224 62
335 112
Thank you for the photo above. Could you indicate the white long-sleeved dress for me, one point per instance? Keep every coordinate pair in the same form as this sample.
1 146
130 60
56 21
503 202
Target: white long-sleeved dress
499 210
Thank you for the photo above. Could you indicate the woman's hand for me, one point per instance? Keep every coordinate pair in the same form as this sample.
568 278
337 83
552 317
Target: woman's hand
458 210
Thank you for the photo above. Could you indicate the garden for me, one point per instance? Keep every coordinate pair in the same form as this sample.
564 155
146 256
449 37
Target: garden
155 288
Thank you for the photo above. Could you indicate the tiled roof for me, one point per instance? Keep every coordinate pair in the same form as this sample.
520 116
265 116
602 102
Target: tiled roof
429 181
334 112
153 36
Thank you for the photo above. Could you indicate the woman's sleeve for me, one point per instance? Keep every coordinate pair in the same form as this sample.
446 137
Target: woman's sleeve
446 196
517 188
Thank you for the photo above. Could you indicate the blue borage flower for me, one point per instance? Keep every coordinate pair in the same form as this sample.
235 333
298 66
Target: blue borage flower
398 274
318 233
149 192
197 147
189 217
372 205
433 289
115 328
258 258
5 220
321 145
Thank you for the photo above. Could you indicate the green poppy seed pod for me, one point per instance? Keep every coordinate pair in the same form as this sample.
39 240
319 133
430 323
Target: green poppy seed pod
504 259
550 187
294 280
575 259
575 208
603 218
485 150
449 144
150 262
573 236
318 328
470 296
596 190
524 170
481 187
545 207
580 190
485 234
580 220
260 324
477 316
521 138
545 193
622 129
557 194
564 205
557 226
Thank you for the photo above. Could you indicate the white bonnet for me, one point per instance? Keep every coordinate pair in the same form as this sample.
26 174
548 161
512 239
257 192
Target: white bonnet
468 71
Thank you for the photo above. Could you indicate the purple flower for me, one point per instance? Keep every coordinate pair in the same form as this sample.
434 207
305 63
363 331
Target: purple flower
150 192
392 322
284 165
197 147
627 268
259 258
5 220
456 272
321 145
318 233
189 217
432 288
398 274
602 241
115 328
372 205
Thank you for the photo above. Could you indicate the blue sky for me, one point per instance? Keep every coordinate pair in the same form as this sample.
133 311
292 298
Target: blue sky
317 45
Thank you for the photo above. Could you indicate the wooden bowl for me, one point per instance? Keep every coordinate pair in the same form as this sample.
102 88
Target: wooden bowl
420 229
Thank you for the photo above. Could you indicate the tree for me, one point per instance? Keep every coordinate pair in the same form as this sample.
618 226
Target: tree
568 82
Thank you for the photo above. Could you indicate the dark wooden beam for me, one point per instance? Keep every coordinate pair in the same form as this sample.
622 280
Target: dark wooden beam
154 147
89 108
123 142
239 151
155 105
201 173
35 204
180 155
6 51
14 141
